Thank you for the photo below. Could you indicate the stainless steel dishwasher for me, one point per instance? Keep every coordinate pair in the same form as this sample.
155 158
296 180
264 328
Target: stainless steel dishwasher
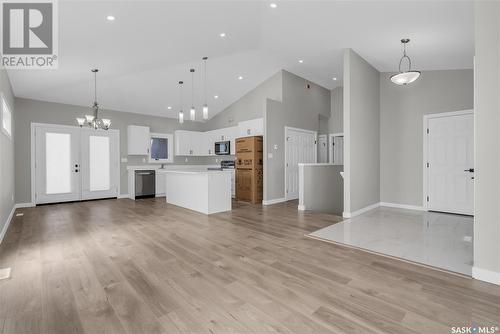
145 183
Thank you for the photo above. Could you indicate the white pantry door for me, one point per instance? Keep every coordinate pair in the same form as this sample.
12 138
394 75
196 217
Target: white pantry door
100 163
300 147
450 169
57 164
322 148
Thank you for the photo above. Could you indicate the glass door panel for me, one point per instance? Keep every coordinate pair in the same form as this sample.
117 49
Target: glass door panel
99 159
57 160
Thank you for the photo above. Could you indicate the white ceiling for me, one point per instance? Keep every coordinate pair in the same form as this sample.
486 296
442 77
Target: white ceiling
152 44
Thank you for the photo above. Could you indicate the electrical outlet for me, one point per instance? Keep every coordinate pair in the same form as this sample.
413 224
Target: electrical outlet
143 159
186 160
275 146
270 155
124 160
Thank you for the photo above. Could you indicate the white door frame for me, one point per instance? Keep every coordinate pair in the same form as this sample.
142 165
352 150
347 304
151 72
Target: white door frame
288 128
330 145
427 117
33 154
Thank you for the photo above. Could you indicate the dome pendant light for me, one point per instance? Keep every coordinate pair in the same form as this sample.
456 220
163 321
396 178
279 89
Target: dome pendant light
205 106
181 113
405 77
192 111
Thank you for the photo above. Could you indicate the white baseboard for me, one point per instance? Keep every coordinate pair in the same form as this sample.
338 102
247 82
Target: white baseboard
360 211
486 275
7 223
301 208
273 201
402 206
123 196
24 205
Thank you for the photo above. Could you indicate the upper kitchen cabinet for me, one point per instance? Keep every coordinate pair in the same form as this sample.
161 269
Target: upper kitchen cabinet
190 143
253 127
138 138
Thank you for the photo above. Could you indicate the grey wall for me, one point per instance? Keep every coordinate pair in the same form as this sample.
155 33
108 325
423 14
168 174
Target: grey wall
336 120
301 108
361 133
7 192
323 189
32 111
274 168
487 142
401 124
250 106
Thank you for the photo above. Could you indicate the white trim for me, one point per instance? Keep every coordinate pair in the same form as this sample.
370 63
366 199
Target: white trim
24 205
273 201
486 275
402 206
360 211
7 224
425 191
287 128
122 196
301 207
346 119
338 134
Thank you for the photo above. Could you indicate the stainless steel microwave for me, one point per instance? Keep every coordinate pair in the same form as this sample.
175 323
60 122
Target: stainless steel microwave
222 148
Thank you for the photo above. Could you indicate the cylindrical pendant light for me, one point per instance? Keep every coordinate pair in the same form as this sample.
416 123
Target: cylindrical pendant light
181 113
205 106
192 111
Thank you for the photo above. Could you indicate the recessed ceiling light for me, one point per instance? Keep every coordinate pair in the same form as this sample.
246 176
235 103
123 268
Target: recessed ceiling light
273 5
222 34
110 18
301 61
334 79
216 96
240 78
169 108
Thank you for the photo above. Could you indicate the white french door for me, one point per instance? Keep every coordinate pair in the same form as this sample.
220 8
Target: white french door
450 163
73 163
300 147
100 163
57 165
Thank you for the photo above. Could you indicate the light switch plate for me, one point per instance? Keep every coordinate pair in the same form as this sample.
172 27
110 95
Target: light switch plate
270 155
124 160
275 146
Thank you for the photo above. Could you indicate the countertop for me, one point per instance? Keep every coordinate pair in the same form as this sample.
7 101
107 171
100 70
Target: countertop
192 171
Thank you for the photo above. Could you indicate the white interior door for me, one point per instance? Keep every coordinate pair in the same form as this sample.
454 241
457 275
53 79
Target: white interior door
100 163
322 149
300 147
57 164
450 169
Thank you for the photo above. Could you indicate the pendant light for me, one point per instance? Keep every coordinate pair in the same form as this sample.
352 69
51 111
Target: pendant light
405 77
181 113
93 120
205 106
192 111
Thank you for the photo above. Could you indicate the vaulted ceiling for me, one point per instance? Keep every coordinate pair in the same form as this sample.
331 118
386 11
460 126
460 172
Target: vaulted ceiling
151 45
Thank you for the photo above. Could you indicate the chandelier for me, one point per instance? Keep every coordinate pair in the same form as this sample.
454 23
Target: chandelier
94 121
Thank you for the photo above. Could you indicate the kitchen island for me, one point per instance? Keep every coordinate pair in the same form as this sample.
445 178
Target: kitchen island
205 191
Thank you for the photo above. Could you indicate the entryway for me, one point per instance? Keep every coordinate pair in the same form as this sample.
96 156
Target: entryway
72 163
300 147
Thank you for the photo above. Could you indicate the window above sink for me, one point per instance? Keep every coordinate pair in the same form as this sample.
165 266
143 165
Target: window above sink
161 148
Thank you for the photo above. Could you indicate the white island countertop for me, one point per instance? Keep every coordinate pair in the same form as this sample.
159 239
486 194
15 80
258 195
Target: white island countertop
203 190
193 171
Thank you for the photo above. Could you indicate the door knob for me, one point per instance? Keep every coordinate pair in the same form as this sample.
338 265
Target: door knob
470 170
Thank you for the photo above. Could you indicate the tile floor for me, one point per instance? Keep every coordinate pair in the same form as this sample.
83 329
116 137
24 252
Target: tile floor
436 239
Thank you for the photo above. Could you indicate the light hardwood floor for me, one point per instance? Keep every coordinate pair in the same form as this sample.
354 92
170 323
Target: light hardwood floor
119 266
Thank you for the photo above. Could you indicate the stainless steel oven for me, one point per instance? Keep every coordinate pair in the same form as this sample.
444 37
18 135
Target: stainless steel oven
223 147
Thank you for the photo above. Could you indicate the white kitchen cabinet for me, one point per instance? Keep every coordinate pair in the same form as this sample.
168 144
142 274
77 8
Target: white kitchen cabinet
253 127
160 184
189 143
138 140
